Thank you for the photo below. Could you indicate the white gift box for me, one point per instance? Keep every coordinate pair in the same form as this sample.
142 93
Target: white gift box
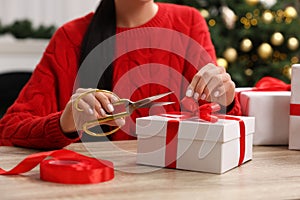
197 145
294 129
271 112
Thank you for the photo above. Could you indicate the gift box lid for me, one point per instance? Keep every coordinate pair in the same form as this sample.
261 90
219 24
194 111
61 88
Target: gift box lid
267 93
195 129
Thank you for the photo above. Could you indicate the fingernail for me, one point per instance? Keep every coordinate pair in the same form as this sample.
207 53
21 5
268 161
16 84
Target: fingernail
189 93
216 94
102 112
114 99
196 95
203 96
91 111
120 122
110 108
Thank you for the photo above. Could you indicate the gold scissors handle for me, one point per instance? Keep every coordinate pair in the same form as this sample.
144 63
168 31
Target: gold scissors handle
90 124
130 107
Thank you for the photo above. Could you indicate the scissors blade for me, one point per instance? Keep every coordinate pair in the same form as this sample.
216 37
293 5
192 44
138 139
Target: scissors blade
142 102
149 105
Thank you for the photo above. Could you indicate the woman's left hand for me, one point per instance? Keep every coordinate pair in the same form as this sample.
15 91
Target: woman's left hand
212 83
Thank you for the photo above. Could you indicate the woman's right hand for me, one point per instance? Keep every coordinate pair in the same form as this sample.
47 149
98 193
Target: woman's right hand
93 105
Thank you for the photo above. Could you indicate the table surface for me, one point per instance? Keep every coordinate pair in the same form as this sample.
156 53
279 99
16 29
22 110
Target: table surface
273 173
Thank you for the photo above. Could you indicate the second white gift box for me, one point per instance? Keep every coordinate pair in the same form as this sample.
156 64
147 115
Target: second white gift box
294 131
193 144
271 112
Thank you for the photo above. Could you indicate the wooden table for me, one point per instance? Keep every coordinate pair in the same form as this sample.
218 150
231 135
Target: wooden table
274 173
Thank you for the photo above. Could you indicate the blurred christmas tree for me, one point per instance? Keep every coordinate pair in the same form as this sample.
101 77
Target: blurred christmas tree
253 38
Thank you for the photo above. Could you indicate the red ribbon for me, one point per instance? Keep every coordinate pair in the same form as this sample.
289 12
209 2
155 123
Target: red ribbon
204 112
66 167
171 143
295 109
265 84
271 84
242 135
268 84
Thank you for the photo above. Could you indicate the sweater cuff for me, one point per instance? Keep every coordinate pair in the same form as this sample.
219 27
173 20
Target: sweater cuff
54 133
234 108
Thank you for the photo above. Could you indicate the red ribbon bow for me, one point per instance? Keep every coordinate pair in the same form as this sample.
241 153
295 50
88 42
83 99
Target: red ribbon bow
65 167
267 84
271 84
204 112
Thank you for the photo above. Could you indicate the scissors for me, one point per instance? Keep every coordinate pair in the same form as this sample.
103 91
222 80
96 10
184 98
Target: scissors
130 106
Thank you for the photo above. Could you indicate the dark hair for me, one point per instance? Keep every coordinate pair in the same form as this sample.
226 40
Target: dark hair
102 26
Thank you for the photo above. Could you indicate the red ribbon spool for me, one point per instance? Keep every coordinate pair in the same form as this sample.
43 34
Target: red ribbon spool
66 167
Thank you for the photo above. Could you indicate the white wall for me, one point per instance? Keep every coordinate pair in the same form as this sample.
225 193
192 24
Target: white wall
23 55
45 12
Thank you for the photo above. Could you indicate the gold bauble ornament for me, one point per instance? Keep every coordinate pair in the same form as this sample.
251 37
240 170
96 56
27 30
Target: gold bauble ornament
252 2
222 62
267 17
290 12
277 39
246 45
265 51
290 73
293 43
205 13
230 54
249 72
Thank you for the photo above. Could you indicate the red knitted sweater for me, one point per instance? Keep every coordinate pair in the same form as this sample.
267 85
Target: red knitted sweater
33 120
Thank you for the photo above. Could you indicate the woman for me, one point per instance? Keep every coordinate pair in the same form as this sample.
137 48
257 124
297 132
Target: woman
44 117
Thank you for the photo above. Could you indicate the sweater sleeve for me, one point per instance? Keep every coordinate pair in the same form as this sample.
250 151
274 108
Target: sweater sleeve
33 121
200 32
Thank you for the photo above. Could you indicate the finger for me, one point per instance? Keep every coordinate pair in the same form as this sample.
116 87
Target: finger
213 88
105 101
76 95
200 80
217 82
225 94
85 107
224 80
112 97
117 122
88 96
191 87
203 82
80 93
228 95
90 99
219 93
213 95
94 103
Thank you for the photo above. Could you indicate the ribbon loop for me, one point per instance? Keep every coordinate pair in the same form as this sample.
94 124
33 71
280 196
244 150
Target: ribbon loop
204 112
271 84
